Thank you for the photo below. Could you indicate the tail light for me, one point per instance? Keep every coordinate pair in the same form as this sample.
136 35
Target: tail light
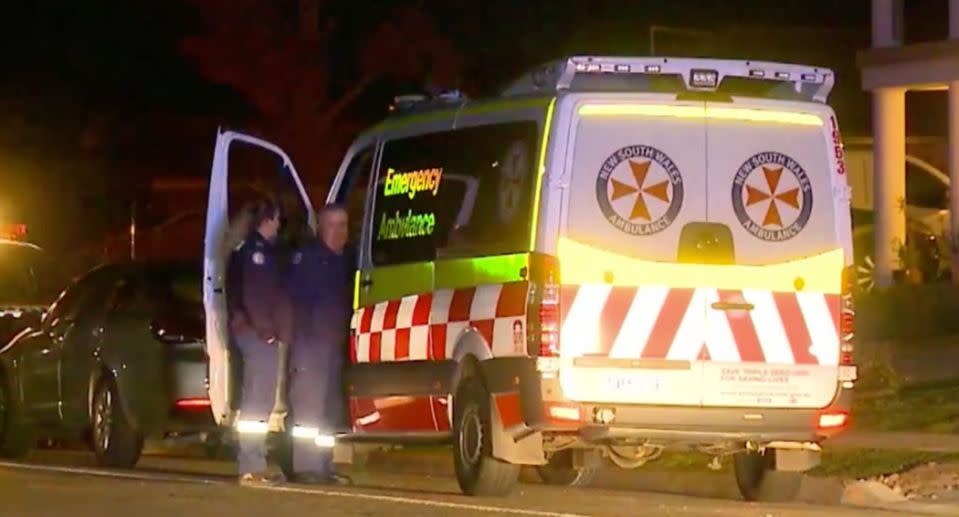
832 420
543 318
192 403
549 321
847 318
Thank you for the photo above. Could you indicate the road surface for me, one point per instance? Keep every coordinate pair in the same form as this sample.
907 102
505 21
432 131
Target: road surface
64 484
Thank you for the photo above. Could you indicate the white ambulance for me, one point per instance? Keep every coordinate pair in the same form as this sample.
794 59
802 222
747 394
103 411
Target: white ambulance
616 257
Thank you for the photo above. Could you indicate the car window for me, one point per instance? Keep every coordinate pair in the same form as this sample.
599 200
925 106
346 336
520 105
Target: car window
924 190
90 292
25 275
159 289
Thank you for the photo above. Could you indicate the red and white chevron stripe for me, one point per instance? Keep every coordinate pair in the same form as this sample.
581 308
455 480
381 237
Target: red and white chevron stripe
706 324
428 326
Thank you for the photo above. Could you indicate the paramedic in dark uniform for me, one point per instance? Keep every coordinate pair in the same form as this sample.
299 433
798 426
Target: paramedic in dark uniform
260 318
320 280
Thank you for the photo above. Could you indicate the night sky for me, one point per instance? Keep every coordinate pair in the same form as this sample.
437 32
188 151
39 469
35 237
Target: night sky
97 97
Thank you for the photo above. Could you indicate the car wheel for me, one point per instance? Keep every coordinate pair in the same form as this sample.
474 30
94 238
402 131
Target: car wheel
14 433
115 442
560 471
216 447
477 471
759 481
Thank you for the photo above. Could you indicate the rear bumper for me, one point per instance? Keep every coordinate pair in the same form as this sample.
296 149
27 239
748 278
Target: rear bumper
188 404
700 425
692 425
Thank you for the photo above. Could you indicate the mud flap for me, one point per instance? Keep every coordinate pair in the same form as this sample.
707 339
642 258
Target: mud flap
518 444
797 460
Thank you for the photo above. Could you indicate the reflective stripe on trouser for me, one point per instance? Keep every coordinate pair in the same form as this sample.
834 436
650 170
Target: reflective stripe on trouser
260 368
311 388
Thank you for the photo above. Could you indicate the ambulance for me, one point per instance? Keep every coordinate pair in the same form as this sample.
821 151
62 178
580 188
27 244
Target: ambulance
613 258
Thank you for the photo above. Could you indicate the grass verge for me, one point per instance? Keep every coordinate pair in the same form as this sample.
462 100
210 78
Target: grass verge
930 408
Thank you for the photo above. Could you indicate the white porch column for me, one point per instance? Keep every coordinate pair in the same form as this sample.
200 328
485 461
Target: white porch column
887 23
889 178
954 168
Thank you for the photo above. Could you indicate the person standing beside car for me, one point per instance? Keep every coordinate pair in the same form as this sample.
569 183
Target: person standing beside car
260 319
320 291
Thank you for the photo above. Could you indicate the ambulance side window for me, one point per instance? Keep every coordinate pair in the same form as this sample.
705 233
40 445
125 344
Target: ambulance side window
493 208
405 220
352 193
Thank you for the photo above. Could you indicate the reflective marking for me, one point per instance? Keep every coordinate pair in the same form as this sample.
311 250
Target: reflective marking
379 314
769 327
580 332
363 348
252 427
718 335
825 339
388 345
639 322
114 474
372 418
404 316
691 335
300 431
325 441
420 502
419 341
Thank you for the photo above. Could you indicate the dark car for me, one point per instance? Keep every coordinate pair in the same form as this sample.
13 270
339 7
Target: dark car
119 357
28 284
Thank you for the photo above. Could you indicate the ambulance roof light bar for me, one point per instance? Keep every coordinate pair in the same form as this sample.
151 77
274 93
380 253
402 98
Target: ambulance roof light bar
811 82
405 103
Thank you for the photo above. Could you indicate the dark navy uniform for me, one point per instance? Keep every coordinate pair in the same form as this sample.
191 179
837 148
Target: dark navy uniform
320 291
260 317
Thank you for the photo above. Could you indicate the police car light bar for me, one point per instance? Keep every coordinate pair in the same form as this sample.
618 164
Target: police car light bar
697 74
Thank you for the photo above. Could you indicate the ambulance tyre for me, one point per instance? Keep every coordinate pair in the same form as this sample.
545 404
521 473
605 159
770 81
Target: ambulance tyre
477 471
759 481
14 434
116 443
560 471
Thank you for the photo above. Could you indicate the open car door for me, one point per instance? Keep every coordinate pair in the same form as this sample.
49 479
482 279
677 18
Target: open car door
219 244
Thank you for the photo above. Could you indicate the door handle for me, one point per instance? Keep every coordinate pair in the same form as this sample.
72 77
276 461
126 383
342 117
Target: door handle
730 306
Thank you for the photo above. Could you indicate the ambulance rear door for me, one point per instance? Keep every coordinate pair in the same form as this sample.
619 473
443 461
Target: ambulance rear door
772 337
635 178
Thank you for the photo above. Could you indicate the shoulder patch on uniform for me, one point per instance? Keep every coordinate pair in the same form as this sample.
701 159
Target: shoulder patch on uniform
297 257
258 258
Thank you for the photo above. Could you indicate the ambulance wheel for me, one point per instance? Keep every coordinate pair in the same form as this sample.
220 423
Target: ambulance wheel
116 443
477 471
759 481
14 434
560 471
